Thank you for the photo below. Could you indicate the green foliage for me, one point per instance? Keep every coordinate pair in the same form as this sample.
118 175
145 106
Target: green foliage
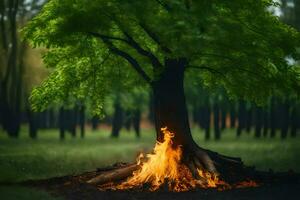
235 44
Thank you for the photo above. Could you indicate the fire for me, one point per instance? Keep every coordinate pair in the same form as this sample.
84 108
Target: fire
249 183
163 167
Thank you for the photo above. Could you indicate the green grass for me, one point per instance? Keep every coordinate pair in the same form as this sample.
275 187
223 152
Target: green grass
23 159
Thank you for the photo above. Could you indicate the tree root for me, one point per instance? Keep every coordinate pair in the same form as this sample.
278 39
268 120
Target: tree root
230 169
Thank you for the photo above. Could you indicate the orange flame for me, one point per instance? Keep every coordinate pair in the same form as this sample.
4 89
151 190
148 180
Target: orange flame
164 167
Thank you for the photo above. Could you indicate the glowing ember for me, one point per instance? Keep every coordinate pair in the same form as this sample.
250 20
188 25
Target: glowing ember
244 184
163 167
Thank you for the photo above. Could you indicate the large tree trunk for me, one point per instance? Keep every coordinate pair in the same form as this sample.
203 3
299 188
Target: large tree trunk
170 111
169 103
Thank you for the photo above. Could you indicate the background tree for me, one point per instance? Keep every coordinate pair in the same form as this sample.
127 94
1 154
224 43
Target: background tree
236 44
13 15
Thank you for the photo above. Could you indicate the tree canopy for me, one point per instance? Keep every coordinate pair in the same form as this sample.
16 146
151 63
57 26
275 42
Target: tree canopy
95 45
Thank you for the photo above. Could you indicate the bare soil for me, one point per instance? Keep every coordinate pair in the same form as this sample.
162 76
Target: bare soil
271 186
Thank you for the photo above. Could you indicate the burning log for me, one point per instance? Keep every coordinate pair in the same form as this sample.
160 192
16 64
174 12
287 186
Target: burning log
166 166
114 175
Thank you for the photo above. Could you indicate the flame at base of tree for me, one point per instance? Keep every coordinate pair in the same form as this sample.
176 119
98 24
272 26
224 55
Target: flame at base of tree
164 167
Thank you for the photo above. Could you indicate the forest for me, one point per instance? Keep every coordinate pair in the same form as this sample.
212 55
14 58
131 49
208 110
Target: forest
168 99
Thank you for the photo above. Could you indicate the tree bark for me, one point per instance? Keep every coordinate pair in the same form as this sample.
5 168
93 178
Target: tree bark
170 111
170 104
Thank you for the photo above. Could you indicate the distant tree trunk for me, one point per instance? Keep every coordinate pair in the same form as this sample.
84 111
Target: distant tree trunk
71 120
82 120
223 117
50 122
232 115
4 106
62 123
249 118
95 122
241 117
273 118
200 115
266 122
128 119
206 119
136 122
11 79
43 119
117 119
284 115
217 131
32 124
294 121
258 121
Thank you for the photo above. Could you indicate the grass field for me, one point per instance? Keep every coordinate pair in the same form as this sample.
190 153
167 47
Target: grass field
23 159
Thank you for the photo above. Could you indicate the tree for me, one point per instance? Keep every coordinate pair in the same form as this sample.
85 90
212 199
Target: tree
13 15
235 44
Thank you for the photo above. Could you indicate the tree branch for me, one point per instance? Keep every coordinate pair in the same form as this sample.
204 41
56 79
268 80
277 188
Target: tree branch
131 42
106 37
207 69
124 55
155 38
155 62
132 61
